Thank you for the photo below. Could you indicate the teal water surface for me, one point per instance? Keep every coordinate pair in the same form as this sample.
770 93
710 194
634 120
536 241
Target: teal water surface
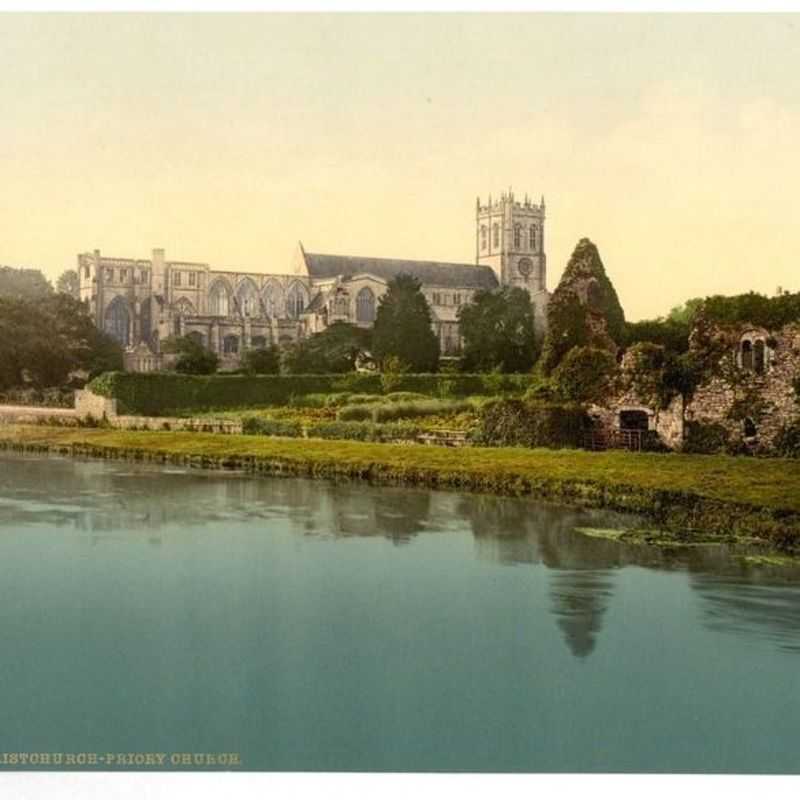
312 626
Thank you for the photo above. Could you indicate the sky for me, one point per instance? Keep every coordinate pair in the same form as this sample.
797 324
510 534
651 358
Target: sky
671 141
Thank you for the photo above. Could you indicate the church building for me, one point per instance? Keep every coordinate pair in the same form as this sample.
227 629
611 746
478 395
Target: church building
140 302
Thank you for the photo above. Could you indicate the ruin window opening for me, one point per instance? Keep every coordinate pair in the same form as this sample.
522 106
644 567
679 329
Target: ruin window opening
747 354
759 356
750 429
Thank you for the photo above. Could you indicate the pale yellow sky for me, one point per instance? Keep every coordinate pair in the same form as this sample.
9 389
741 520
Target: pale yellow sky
671 141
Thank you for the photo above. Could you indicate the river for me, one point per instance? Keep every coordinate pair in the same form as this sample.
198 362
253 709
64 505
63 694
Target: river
316 626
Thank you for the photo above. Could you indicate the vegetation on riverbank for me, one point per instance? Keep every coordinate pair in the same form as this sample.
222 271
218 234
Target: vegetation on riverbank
721 496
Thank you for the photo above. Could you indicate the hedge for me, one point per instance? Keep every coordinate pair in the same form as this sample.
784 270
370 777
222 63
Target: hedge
520 423
156 393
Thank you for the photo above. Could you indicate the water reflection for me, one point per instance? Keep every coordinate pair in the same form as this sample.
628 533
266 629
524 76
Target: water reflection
108 501
746 609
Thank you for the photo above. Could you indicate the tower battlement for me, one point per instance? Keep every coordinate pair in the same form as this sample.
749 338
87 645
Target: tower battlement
507 200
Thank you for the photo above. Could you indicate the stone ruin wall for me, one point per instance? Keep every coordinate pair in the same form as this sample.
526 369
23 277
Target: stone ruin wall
735 393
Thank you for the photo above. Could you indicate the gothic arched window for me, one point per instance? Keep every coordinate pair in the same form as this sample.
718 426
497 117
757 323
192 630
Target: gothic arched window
365 306
518 236
116 322
218 300
496 235
184 307
533 237
295 301
484 237
272 299
247 298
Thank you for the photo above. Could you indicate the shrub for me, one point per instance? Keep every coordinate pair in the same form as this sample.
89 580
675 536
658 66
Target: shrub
511 422
399 397
387 412
261 361
360 411
271 427
707 438
584 375
364 431
392 374
787 443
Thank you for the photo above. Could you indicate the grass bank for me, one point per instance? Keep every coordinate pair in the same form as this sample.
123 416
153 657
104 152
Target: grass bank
690 496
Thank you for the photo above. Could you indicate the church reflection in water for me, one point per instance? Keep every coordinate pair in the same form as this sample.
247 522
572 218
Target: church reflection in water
106 502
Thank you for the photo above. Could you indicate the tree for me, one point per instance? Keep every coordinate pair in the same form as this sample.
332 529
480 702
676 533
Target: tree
671 333
498 332
333 350
262 361
584 309
685 313
43 342
24 284
403 326
69 283
193 358
584 375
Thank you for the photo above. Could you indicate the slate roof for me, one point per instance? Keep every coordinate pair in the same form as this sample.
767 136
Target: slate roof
431 273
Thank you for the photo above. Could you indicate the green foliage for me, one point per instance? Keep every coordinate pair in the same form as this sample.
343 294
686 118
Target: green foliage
519 423
52 397
355 413
706 438
271 427
671 333
42 342
403 327
787 442
392 373
388 412
153 394
193 358
400 397
364 431
753 308
497 328
69 283
261 361
584 375
568 313
685 314
23 284
681 375
333 350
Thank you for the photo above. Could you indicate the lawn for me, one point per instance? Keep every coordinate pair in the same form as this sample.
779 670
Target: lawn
772 484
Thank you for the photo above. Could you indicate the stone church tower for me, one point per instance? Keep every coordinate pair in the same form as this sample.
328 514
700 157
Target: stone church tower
509 238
